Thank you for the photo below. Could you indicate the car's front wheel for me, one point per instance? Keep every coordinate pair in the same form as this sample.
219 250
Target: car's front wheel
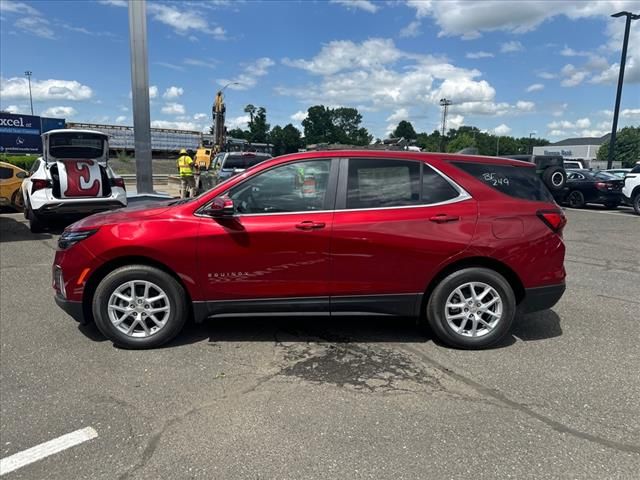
471 308
576 199
139 306
636 203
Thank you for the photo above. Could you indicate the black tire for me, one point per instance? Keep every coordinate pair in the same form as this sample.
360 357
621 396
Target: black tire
436 308
16 201
636 203
555 178
575 199
612 205
36 225
175 294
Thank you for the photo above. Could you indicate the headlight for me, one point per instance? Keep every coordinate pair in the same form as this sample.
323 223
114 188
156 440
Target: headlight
69 239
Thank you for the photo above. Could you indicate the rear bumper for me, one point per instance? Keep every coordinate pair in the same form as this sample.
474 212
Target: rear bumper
74 309
541 298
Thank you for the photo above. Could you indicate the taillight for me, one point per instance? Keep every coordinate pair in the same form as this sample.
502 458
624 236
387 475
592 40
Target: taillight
39 184
117 182
554 219
601 186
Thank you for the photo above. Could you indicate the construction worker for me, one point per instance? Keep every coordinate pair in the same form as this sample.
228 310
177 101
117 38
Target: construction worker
185 170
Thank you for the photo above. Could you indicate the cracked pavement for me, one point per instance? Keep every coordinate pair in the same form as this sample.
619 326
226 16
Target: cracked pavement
347 397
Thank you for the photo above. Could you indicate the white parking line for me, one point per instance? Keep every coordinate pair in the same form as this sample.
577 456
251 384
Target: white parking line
33 454
620 213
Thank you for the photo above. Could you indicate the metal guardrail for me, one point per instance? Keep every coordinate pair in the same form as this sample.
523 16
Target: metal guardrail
157 177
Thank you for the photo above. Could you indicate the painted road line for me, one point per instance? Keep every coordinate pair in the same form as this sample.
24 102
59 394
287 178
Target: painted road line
33 454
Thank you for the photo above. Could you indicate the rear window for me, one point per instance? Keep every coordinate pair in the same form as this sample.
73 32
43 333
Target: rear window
76 145
635 169
606 176
242 161
517 182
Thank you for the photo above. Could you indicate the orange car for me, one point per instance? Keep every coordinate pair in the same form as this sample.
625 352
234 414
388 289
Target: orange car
10 180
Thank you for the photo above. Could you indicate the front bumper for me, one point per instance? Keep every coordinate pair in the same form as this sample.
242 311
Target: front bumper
74 309
541 298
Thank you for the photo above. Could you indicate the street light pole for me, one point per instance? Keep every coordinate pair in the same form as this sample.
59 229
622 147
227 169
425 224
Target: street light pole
444 103
612 142
531 144
28 74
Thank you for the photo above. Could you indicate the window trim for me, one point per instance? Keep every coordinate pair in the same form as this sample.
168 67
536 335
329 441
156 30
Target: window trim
341 202
330 195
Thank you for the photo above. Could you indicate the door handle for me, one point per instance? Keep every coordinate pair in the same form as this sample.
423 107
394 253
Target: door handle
309 225
442 218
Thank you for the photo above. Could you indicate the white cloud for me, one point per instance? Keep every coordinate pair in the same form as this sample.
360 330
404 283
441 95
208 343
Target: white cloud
512 46
114 3
474 55
502 130
299 116
121 119
183 21
171 108
535 87
583 123
469 19
59 112
525 106
18 87
572 76
238 122
398 115
454 121
17 7
249 78
570 52
176 125
546 75
172 66
36 25
365 5
557 133
153 91
197 62
630 113
412 30
559 110
200 116
15 109
363 74
172 92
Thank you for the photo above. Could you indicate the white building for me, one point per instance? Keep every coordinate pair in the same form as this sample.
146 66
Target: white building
585 148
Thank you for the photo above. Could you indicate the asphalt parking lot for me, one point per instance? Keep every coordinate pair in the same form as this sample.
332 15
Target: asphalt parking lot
351 397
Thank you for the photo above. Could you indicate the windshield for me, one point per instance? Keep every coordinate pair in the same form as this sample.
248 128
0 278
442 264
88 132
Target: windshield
242 161
76 145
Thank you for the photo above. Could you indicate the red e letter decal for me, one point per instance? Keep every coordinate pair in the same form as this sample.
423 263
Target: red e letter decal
81 178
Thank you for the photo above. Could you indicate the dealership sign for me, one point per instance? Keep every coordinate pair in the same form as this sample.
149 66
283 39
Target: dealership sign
21 133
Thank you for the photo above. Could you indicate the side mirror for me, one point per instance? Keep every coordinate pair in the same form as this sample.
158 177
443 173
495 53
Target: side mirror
22 175
221 207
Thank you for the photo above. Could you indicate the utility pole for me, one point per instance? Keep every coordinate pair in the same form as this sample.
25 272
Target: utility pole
612 142
444 103
28 74
498 146
140 95
530 143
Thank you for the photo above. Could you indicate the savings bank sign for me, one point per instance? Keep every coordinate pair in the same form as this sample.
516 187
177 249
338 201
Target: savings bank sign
20 133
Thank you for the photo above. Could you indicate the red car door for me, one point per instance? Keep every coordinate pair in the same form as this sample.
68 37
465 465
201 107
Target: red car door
276 246
396 221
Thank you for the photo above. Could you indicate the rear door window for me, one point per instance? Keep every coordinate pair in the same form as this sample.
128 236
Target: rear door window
517 182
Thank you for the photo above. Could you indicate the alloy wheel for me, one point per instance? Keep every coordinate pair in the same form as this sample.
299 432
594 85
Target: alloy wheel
473 309
139 308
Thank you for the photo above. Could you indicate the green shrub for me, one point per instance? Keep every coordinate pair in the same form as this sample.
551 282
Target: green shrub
22 161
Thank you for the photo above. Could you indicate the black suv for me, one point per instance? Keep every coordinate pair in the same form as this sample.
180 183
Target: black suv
551 169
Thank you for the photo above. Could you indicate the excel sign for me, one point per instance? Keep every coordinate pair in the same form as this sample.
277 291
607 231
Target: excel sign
20 133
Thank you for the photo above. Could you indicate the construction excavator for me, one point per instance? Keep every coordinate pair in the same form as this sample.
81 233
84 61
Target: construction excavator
213 144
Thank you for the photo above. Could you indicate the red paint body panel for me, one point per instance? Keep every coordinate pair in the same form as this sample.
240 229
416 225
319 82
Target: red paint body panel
358 252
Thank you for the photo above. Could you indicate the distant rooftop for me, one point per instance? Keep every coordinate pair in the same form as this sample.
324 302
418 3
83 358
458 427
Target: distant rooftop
582 141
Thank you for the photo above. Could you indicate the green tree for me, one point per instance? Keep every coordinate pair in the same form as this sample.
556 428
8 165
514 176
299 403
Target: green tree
251 110
429 142
238 133
340 125
463 140
292 139
627 149
317 126
405 130
258 127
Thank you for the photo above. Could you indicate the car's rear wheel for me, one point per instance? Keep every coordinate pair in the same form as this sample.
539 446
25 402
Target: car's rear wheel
471 308
36 224
16 200
636 203
139 306
576 199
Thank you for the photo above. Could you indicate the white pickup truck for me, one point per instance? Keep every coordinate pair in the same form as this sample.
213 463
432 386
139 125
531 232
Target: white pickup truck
631 188
71 179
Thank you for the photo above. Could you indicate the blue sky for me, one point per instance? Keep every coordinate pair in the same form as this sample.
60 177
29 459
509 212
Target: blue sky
548 67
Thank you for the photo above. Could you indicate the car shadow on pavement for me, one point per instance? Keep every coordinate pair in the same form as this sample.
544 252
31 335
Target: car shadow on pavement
14 230
537 326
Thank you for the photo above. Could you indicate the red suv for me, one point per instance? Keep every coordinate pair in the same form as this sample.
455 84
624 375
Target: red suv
460 242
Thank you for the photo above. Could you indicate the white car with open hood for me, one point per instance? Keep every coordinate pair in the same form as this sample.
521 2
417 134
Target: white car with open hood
71 179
